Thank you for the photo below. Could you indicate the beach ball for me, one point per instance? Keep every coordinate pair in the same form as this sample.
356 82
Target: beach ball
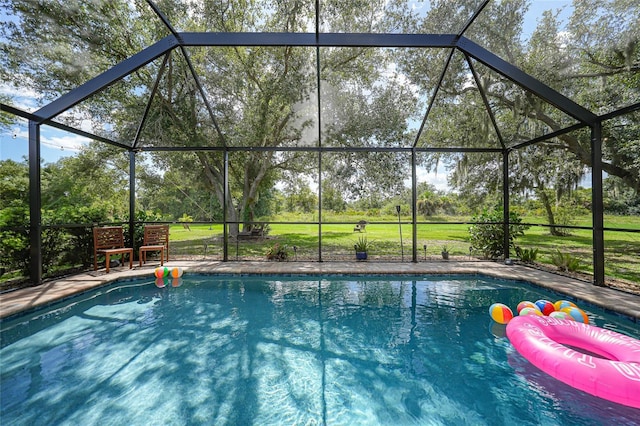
159 272
176 272
560 304
500 313
530 311
160 282
526 304
545 306
561 315
577 314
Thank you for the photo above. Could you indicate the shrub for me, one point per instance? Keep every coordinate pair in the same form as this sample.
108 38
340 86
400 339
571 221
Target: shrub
565 261
487 232
76 243
14 234
278 252
527 255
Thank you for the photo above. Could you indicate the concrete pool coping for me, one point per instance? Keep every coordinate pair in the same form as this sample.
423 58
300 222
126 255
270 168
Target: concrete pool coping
616 301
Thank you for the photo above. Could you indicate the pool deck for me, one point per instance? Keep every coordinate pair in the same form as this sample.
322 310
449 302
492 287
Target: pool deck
26 299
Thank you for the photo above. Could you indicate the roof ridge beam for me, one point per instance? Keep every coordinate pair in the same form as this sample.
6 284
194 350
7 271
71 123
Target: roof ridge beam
321 39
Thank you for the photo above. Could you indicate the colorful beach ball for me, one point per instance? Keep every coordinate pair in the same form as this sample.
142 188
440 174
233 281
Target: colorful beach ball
561 315
530 311
176 272
545 306
525 304
577 314
561 304
500 313
162 272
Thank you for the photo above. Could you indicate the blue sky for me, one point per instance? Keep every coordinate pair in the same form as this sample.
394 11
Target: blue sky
538 7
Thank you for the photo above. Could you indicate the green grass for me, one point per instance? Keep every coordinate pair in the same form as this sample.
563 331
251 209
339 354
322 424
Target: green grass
622 249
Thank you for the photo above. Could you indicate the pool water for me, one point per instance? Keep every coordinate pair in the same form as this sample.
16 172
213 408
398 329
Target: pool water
301 350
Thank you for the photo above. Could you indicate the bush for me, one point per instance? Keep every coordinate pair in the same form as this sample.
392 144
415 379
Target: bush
14 234
76 243
527 255
565 261
278 253
142 218
487 232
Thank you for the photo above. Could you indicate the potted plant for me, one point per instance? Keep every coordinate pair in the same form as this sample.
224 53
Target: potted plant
445 252
362 247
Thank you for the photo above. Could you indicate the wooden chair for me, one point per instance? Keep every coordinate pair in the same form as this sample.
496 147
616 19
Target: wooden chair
156 238
109 240
360 226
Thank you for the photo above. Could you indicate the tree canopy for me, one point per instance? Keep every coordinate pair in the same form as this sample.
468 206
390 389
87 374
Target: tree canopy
370 98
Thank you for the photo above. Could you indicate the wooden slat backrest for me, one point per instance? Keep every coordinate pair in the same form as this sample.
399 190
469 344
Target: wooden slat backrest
108 237
156 235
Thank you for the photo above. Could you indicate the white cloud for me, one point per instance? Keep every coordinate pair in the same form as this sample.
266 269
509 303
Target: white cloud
435 178
22 98
65 143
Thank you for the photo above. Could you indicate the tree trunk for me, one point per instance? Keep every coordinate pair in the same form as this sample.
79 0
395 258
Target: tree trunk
254 172
548 209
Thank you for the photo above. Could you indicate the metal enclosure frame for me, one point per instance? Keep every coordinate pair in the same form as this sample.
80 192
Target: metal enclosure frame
177 40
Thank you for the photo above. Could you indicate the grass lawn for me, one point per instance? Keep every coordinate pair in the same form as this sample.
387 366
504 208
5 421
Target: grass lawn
622 249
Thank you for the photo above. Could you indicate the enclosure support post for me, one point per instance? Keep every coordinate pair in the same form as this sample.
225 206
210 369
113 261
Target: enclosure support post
35 205
398 207
132 197
505 201
597 203
414 197
319 206
319 106
225 195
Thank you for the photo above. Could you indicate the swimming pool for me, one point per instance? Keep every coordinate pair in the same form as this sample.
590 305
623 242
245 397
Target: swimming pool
264 350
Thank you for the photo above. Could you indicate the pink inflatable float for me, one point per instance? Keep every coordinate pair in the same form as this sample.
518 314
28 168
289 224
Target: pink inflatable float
615 376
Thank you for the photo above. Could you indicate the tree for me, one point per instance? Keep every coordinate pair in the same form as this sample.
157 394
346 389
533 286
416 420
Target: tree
596 63
256 96
14 183
75 190
431 201
332 198
620 199
97 177
299 197
265 97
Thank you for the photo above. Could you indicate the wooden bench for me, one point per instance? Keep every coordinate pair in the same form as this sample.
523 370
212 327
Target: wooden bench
156 238
109 240
256 230
360 226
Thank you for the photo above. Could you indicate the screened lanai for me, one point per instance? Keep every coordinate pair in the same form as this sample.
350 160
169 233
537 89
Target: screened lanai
333 103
